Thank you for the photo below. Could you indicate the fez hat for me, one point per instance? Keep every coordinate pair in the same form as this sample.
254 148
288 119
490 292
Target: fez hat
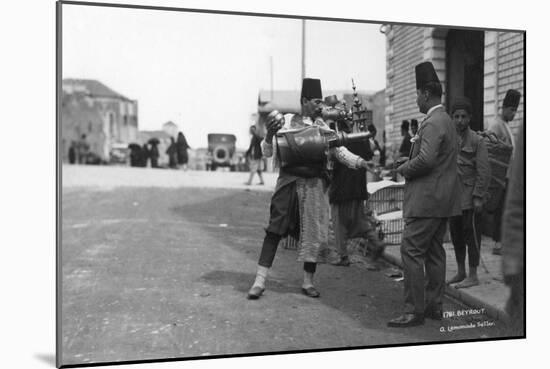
511 99
311 89
372 129
405 125
331 100
462 103
425 73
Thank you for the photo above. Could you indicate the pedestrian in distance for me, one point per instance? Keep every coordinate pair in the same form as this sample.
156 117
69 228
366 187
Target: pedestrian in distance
300 204
254 156
72 153
83 149
414 127
431 196
144 155
376 149
501 127
172 153
405 147
182 146
474 174
154 154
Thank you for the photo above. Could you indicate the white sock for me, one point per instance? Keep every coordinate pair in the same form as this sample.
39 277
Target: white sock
308 280
261 275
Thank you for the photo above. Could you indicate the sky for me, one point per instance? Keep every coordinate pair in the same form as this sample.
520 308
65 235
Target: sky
204 71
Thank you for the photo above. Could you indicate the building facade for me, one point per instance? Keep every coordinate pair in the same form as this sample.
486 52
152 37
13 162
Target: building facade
171 129
481 65
106 117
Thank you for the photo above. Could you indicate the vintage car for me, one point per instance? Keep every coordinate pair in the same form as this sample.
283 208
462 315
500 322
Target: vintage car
119 153
221 151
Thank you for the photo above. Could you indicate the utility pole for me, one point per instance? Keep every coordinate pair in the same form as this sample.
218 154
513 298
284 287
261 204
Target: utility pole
303 49
271 75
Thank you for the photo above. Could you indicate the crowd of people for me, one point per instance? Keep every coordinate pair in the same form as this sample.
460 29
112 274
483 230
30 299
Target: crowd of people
140 156
448 180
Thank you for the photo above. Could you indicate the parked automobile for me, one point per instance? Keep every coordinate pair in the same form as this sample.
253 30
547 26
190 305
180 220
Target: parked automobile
94 159
119 153
221 151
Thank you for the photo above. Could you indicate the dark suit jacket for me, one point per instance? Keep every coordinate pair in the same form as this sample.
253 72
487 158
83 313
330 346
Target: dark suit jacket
432 188
513 226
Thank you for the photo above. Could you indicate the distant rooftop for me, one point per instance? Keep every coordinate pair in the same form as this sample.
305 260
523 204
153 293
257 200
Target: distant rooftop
144 136
170 123
90 87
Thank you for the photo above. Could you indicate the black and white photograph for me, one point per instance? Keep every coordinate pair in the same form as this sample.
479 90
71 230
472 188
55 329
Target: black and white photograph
263 185
235 184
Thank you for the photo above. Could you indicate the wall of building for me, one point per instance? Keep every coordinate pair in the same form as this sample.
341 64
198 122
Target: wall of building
503 70
105 121
407 46
404 49
377 104
510 71
78 117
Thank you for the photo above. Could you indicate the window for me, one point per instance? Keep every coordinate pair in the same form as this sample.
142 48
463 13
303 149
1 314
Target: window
112 128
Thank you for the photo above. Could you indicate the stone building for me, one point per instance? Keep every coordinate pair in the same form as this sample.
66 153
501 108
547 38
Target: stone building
103 115
481 65
171 129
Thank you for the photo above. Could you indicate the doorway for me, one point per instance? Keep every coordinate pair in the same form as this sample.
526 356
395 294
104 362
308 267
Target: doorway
465 60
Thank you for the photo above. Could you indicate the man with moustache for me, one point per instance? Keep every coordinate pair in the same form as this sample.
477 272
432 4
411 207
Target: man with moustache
300 204
432 195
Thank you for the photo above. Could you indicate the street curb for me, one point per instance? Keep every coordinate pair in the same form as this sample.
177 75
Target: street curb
462 296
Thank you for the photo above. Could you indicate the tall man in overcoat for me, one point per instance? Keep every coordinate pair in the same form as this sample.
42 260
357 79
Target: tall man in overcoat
432 195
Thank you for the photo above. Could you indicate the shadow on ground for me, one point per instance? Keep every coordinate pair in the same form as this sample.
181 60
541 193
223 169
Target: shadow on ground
368 297
241 281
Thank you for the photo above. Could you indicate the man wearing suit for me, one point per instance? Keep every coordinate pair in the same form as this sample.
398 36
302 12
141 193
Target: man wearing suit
501 128
513 239
432 195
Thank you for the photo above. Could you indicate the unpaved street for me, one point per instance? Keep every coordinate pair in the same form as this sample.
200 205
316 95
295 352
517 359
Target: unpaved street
153 271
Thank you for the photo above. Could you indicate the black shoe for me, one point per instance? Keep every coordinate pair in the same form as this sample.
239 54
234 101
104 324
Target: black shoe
255 293
311 292
434 314
407 320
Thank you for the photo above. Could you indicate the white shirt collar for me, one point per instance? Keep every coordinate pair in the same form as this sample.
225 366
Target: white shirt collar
433 108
